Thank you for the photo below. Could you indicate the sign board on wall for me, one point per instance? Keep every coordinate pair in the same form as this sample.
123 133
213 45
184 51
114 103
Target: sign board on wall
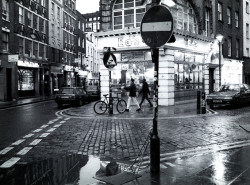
12 58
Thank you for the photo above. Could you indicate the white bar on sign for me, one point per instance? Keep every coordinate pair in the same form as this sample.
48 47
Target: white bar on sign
10 162
44 135
37 130
51 130
24 151
58 125
44 126
157 26
35 142
29 135
6 150
18 142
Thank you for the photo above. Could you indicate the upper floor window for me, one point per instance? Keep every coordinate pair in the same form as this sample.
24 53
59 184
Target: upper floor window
207 22
127 13
5 10
219 11
29 21
184 16
229 46
247 7
237 48
247 50
5 41
247 30
21 17
236 19
228 15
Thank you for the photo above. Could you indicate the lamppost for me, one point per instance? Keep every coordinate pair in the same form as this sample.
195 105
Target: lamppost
219 37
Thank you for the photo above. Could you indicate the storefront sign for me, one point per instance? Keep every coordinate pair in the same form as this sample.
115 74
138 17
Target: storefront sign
27 64
56 70
12 58
68 68
132 55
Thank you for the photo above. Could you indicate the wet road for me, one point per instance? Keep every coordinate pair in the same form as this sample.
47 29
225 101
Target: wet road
194 150
16 122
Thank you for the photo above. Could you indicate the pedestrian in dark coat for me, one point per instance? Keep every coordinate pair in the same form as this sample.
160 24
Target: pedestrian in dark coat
145 92
132 95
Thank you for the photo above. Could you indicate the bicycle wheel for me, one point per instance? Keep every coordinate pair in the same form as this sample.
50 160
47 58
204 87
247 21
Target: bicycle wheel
100 107
121 106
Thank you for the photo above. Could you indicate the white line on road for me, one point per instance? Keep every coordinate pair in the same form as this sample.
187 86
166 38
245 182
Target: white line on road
51 130
29 135
66 119
37 130
44 135
58 125
18 142
24 151
62 121
6 150
35 142
10 162
44 126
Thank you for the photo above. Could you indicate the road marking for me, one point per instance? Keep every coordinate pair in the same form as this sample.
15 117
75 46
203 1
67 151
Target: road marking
156 26
29 135
44 126
24 151
50 122
37 130
62 121
66 119
6 150
58 125
51 130
10 162
44 135
18 142
35 142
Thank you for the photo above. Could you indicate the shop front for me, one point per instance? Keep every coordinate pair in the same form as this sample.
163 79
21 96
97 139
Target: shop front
28 84
56 78
69 76
182 65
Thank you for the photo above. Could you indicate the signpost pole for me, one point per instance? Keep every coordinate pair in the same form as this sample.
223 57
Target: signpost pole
154 139
110 95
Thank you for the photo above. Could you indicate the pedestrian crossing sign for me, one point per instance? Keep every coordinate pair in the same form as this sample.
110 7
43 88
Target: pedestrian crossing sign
109 60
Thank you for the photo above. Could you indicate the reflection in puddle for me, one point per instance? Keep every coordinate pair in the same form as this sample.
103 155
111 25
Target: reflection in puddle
57 170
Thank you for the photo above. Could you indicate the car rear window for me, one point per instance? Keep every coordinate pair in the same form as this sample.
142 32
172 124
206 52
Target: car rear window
229 88
67 91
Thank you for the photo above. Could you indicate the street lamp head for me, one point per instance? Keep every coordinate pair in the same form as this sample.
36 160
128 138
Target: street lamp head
219 37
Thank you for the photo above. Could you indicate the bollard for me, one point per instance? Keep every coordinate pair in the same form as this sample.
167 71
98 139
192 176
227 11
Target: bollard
203 103
198 102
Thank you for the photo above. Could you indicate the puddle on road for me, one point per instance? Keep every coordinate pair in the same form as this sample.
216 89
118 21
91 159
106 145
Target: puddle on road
72 169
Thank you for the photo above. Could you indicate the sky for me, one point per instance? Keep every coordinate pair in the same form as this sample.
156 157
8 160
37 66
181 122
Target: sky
86 6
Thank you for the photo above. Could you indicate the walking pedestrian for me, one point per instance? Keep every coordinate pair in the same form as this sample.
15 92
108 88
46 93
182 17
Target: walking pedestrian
145 92
132 95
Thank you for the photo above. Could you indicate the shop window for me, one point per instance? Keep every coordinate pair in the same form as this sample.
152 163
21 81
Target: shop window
127 14
25 80
188 71
5 10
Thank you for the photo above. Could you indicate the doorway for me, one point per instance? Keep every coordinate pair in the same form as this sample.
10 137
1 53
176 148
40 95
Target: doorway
8 84
211 80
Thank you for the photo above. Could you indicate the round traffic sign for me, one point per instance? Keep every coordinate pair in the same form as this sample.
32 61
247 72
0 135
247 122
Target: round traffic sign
157 26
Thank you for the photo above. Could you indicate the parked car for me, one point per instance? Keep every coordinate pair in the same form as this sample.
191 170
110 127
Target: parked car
230 94
72 95
94 92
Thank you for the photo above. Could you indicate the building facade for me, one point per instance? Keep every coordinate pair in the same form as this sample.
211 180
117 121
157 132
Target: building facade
246 40
183 65
92 22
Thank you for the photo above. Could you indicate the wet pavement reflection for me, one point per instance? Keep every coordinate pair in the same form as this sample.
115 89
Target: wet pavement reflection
218 167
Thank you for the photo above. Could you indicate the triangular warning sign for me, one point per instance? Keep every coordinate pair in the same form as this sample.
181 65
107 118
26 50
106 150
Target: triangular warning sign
111 61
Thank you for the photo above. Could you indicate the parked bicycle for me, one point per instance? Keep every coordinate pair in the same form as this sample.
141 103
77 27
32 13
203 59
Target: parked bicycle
101 106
